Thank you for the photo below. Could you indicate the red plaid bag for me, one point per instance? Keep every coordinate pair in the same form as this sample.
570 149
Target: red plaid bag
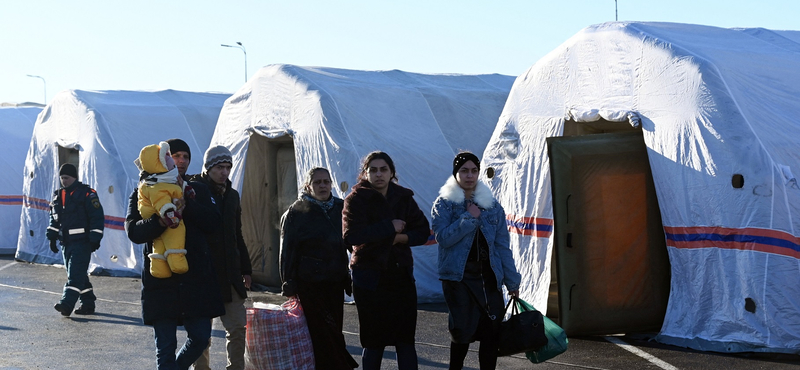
277 338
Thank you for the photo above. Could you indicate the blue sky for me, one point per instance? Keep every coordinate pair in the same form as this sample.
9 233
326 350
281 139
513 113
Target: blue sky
154 45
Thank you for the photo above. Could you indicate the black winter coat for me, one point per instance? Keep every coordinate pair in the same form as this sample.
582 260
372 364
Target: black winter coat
80 209
228 250
189 295
367 226
312 248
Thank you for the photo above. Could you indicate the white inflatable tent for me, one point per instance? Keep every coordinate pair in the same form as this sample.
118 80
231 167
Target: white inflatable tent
718 113
16 128
289 119
102 132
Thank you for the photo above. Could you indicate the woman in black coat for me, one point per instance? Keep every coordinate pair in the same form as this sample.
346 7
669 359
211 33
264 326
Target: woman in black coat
314 267
191 299
381 221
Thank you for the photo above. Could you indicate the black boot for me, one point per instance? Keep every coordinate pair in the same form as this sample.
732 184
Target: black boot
85 310
63 310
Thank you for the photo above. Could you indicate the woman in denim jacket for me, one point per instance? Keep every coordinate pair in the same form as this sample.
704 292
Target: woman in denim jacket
475 261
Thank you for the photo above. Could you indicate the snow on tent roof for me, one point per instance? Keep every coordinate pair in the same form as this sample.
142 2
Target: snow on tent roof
712 103
333 117
102 132
16 127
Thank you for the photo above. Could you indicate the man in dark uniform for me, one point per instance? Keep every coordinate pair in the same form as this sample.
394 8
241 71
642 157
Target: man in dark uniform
76 219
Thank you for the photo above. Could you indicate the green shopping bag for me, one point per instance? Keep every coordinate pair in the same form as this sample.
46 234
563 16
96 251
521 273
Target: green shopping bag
556 339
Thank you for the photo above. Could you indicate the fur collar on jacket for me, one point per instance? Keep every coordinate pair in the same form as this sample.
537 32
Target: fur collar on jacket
454 193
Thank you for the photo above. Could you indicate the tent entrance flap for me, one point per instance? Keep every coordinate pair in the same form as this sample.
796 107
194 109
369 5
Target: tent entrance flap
610 255
269 188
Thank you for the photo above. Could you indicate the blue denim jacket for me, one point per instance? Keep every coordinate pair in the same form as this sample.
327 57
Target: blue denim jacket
455 229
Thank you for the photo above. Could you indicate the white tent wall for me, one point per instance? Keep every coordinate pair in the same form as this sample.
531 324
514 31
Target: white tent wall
713 103
336 116
16 128
108 129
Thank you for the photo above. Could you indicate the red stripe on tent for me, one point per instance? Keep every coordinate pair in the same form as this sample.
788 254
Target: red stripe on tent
749 239
530 220
11 200
732 231
536 233
116 223
431 239
110 222
35 203
734 246
531 226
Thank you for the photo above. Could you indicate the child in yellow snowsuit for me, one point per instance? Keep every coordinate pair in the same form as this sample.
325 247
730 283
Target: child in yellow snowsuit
157 192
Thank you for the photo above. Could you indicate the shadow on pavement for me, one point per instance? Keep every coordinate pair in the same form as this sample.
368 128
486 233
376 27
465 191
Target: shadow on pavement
109 319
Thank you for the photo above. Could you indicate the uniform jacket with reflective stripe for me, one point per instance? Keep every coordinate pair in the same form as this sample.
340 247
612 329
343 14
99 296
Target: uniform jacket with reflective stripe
78 217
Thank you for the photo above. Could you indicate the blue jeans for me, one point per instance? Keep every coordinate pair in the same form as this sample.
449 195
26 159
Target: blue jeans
198 331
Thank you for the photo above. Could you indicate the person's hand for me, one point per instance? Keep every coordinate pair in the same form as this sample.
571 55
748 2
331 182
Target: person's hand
399 225
247 281
514 294
171 220
95 246
53 246
473 210
400 239
180 204
188 192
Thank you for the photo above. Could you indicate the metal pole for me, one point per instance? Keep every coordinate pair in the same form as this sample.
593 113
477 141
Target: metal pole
45 86
240 46
616 12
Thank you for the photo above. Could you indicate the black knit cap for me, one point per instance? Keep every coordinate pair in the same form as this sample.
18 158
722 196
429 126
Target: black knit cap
69 170
178 145
462 158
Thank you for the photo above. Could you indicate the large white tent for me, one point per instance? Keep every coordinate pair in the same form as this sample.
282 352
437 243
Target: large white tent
16 127
289 119
101 133
718 113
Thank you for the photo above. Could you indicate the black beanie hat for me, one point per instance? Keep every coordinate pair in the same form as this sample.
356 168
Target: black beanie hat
178 145
69 170
462 158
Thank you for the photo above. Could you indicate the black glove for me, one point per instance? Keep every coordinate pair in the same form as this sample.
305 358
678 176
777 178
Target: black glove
53 246
95 246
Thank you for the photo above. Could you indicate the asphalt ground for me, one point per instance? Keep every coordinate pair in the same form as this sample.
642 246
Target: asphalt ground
34 336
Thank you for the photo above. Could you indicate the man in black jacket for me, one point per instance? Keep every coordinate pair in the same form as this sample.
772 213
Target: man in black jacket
230 255
190 300
77 220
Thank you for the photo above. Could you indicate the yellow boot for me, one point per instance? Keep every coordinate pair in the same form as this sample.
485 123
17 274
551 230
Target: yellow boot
177 260
159 267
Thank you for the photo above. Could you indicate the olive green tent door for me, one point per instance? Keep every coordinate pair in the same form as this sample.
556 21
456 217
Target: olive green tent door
268 189
611 262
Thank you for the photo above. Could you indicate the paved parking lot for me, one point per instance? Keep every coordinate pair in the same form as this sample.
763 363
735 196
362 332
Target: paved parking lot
35 336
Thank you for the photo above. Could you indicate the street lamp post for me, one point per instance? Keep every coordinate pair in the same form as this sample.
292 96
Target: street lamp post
45 86
240 46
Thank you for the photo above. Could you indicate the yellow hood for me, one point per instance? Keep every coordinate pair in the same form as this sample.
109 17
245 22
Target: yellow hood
152 158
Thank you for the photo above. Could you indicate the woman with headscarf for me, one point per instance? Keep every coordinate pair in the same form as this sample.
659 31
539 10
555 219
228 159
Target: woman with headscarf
381 221
475 261
313 267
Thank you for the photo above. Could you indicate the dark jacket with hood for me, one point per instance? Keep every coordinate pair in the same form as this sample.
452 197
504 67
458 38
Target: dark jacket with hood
189 295
228 250
367 226
312 248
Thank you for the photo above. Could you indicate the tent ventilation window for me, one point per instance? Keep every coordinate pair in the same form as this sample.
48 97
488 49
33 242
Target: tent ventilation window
737 181
750 305
490 172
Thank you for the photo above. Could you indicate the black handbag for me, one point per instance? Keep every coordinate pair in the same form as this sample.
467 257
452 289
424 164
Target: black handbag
522 332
